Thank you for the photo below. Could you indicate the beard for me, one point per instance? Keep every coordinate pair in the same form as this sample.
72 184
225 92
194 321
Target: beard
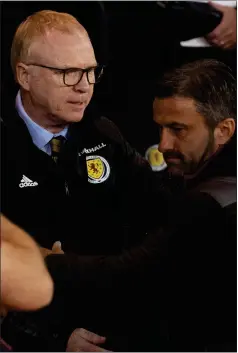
186 166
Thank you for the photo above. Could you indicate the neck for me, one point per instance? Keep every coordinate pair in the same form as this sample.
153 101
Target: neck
39 116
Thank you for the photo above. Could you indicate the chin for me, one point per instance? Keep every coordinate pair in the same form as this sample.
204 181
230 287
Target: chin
77 117
175 170
74 117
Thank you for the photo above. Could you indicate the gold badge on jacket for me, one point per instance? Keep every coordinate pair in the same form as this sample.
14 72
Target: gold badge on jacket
155 158
98 169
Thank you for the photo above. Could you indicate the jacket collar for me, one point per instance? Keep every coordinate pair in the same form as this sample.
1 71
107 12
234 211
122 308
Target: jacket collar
221 164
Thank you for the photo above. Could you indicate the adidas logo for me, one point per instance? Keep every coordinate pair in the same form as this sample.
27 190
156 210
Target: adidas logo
27 182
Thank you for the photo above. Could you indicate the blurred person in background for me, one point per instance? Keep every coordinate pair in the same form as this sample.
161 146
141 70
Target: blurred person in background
220 43
225 34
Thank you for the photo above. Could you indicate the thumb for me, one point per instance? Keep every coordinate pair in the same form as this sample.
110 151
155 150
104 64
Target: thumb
217 6
57 247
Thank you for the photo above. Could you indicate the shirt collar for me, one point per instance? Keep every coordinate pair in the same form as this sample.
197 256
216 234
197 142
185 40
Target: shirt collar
40 136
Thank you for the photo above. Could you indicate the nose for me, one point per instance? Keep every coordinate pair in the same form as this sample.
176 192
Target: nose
83 85
166 141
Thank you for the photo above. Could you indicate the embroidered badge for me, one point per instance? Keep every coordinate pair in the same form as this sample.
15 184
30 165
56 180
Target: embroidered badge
98 169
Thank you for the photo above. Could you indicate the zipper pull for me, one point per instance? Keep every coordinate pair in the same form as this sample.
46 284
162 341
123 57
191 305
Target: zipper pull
66 188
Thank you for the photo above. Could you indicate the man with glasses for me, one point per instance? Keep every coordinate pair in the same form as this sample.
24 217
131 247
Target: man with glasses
67 173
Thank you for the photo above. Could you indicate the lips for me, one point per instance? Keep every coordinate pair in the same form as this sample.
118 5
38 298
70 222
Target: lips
173 160
79 103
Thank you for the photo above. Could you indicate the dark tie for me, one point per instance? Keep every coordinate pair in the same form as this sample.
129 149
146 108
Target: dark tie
56 144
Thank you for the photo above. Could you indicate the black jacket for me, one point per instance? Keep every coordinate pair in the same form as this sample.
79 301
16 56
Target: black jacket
176 291
102 210
63 202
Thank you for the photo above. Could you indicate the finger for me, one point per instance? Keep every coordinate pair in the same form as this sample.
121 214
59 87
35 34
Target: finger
221 29
57 247
218 32
45 252
227 38
229 45
91 336
218 43
222 39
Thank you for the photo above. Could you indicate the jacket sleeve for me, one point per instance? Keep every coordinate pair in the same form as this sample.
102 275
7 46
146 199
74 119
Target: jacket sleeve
101 271
187 219
186 262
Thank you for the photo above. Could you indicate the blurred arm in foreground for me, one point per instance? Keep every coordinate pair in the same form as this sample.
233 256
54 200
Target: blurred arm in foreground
25 281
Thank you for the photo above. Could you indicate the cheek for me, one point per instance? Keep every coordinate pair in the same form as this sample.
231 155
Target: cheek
90 93
197 146
57 98
38 88
42 91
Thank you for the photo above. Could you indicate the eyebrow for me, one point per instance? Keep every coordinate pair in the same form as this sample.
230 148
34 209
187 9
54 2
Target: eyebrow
175 124
79 68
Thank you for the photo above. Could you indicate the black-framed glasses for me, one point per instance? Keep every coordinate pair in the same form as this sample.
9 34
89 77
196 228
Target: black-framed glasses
72 76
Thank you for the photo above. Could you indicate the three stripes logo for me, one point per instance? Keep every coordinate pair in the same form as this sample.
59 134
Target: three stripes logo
27 182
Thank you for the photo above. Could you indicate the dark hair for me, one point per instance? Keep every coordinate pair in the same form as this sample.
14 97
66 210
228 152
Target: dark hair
209 83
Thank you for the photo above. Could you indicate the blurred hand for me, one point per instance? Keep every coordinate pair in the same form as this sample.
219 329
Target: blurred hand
224 35
56 249
82 340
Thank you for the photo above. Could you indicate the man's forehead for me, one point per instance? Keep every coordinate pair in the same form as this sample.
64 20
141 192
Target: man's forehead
174 103
179 109
64 49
